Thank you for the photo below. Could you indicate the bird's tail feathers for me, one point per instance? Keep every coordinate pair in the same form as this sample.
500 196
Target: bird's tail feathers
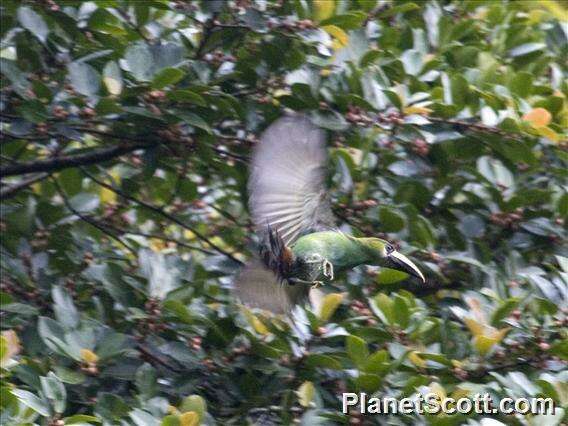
259 287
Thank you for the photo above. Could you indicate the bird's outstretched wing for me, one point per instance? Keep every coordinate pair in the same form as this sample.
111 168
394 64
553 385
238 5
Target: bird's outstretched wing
287 190
287 198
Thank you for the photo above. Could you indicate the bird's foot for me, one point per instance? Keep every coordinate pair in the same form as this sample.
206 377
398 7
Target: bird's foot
293 281
316 284
328 269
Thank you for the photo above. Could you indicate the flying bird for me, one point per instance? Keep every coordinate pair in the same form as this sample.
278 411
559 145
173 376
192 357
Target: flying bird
301 245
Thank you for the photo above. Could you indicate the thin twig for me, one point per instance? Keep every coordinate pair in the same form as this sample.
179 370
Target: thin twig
131 24
23 137
226 214
87 219
156 236
161 212
237 157
478 127
72 159
12 190
375 11
207 31
154 359
478 374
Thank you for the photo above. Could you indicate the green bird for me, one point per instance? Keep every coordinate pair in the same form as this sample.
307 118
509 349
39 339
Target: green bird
301 246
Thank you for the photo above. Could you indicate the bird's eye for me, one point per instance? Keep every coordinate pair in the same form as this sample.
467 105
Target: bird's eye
389 248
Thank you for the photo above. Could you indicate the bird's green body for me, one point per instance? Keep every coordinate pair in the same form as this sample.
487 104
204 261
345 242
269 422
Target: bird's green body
343 251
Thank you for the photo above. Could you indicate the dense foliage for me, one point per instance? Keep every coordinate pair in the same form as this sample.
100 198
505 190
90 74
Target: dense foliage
126 128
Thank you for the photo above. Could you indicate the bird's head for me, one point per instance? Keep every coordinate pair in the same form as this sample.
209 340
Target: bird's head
383 253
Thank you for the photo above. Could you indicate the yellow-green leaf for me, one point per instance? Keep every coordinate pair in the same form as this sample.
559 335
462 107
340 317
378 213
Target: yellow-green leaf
555 8
194 403
548 133
415 358
461 393
107 195
255 322
323 9
89 356
9 345
341 39
166 77
390 276
438 390
329 305
385 306
357 350
112 78
417 110
81 419
474 326
191 418
170 420
305 394
483 344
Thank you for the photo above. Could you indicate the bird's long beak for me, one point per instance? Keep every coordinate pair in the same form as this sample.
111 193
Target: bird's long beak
403 263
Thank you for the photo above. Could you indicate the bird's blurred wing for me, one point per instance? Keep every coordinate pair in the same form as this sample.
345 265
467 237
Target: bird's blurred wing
259 287
287 183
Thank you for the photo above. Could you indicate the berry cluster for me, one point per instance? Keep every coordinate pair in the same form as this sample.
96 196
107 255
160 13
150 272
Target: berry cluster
217 57
90 368
391 118
41 238
358 206
56 421
420 147
176 133
153 322
302 24
50 5
360 309
42 128
358 116
59 112
155 96
507 220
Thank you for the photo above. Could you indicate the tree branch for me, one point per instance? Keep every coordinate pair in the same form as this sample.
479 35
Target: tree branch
206 33
97 156
236 157
156 236
147 355
375 11
87 219
11 190
131 24
162 213
479 374
72 160
478 127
